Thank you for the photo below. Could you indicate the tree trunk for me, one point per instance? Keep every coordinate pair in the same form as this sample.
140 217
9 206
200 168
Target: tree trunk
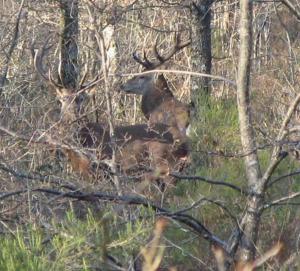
250 222
68 73
201 51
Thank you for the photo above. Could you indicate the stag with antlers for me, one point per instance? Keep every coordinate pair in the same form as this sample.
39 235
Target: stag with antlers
158 102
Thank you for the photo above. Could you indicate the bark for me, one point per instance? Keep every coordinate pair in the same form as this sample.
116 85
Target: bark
201 51
68 73
250 222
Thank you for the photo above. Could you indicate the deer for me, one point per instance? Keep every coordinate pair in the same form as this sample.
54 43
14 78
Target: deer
136 145
158 102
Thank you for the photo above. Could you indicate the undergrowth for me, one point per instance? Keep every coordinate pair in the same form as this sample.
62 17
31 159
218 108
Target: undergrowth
73 244
87 243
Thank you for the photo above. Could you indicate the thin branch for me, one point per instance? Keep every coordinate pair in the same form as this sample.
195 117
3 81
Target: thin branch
281 200
41 178
149 26
13 193
198 202
197 74
204 179
137 200
276 157
283 177
187 220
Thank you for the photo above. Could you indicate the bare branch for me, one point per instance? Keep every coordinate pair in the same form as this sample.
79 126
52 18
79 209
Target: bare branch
276 158
13 193
283 177
178 72
204 199
37 177
204 179
282 200
187 220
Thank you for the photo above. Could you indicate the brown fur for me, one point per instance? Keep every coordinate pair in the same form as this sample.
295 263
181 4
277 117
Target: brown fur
158 103
173 113
153 99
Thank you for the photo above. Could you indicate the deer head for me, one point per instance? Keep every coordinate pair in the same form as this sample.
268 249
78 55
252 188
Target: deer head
71 99
142 84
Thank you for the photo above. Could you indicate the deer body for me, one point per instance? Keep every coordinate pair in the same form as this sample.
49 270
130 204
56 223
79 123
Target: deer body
153 146
137 147
160 106
135 144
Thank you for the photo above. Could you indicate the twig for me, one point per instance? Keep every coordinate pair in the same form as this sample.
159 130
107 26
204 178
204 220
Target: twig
13 193
283 177
185 219
276 158
198 202
21 175
204 179
197 74
281 200
291 7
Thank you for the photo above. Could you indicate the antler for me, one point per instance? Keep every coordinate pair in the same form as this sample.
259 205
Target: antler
39 54
38 64
90 84
148 65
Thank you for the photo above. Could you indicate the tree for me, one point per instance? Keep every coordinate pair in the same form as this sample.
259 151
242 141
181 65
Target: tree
255 187
201 49
69 43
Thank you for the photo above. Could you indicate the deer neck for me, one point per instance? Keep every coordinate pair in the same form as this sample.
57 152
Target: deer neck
155 96
70 124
